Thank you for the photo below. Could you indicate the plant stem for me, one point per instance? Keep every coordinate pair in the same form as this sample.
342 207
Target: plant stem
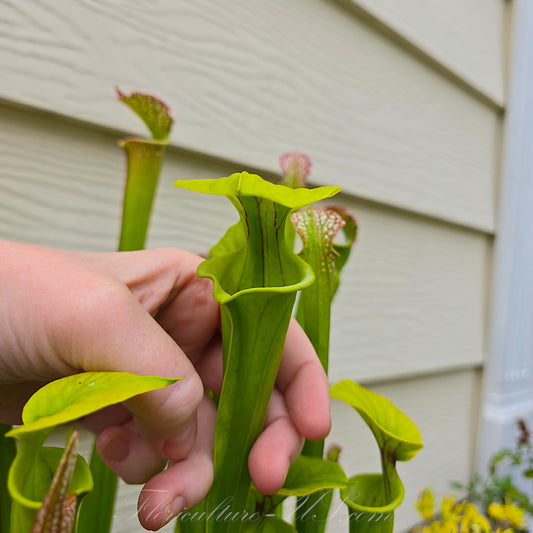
144 162
96 513
256 277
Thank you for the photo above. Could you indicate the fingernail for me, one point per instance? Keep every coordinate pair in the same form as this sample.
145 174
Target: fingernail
116 449
173 508
179 447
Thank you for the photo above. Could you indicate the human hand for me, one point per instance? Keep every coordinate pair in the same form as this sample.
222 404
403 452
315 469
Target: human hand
145 312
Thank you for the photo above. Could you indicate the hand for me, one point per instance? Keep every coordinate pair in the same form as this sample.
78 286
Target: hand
146 312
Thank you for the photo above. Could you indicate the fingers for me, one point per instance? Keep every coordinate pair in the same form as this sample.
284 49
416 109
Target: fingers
275 449
126 452
183 484
301 379
282 439
164 281
110 331
304 384
121 446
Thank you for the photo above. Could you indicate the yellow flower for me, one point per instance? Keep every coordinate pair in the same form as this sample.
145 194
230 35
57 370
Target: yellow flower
441 527
426 504
450 509
473 521
508 512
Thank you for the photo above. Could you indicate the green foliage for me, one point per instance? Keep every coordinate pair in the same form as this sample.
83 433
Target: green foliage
498 485
311 474
31 476
152 111
310 479
343 249
144 159
371 500
58 510
398 439
396 434
59 402
255 277
96 513
72 397
317 229
269 524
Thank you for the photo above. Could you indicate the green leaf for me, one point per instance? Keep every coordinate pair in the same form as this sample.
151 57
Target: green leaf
343 250
72 397
192 520
233 240
394 431
307 475
152 111
57 512
317 229
59 402
244 184
366 492
312 480
312 474
144 159
398 439
96 513
457 485
30 477
370 504
270 524
144 164
255 277
528 473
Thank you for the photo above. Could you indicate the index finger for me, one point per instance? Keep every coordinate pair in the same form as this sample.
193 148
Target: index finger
304 383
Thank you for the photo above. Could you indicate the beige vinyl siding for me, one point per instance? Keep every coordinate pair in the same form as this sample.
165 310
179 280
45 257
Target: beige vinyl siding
400 102
413 295
249 80
412 299
466 39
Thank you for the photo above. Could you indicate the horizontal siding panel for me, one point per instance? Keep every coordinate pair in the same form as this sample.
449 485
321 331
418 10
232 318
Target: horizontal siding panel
466 38
250 80
413 295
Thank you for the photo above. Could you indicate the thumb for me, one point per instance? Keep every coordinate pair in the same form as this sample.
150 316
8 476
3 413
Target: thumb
109 330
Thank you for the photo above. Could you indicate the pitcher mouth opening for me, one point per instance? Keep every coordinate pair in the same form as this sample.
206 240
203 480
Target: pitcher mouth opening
305 277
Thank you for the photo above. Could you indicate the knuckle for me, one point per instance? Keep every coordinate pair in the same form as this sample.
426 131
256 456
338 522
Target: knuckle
101 301
191 392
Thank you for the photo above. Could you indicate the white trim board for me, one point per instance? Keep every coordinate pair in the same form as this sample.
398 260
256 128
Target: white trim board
508 379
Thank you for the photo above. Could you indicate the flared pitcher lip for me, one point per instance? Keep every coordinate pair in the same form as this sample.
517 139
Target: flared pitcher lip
249 185
391 506
415 445
222 296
